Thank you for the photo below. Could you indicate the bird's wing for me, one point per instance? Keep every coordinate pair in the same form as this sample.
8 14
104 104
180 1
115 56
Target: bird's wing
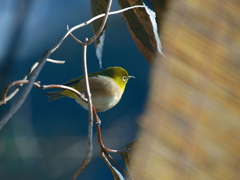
71 82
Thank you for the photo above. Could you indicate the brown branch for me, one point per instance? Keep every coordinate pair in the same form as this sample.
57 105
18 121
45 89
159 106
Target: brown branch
116 164
99 134
115 172
103 148
88 156
50 86
84 45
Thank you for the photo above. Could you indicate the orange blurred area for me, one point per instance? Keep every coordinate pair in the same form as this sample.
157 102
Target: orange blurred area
191 129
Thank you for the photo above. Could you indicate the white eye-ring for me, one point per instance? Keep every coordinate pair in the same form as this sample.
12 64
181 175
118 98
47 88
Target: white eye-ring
124 78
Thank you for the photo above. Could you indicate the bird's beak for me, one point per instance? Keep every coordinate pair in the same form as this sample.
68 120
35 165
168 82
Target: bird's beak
129 77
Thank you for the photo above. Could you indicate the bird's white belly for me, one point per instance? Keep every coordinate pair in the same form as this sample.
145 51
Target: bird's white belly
100 103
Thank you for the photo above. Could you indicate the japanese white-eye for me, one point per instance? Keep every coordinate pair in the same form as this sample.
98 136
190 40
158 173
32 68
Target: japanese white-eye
107 87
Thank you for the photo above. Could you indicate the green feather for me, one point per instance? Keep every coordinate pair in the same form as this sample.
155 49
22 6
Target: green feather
115 73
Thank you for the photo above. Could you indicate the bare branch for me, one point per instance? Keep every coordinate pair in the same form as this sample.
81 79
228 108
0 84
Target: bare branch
50 86
90 113
103 23
110 13
6 98
75 39
95 36
90 21
86 160
116 174
20 83
55 61
116 164
99 134
39 65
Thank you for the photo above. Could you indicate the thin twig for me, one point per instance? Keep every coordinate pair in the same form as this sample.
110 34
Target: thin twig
26 90
95 36
116 164
6 98
84 45
94 19
50 86
20 83
14 83
103 23
99 134
74 38
90 113
110 13
55 61
113 169
103 148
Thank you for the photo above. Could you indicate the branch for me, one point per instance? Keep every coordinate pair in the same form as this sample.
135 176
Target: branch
84 45
6 98
104 150
55 61
90 114
94 19
103 23
75 39
50 86
99 134
39 65
116 164
90 21
20 83
116 174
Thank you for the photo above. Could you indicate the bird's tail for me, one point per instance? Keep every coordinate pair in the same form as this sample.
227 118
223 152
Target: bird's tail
55 95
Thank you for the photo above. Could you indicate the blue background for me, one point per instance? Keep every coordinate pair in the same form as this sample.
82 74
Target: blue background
47 140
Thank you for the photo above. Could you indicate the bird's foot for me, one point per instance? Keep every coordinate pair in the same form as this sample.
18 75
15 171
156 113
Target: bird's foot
98 123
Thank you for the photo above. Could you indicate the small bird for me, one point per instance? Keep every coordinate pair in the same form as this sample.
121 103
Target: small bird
106 86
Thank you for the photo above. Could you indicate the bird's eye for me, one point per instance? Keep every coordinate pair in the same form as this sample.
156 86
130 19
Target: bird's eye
124 78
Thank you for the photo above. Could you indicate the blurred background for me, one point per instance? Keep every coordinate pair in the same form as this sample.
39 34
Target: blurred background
190 128
47 140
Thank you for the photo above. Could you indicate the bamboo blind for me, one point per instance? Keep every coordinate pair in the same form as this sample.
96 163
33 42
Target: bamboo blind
191 127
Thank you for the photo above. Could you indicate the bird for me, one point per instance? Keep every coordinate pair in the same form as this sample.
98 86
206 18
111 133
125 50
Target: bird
106 86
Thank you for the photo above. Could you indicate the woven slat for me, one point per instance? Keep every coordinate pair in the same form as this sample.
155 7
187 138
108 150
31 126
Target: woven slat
191 127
